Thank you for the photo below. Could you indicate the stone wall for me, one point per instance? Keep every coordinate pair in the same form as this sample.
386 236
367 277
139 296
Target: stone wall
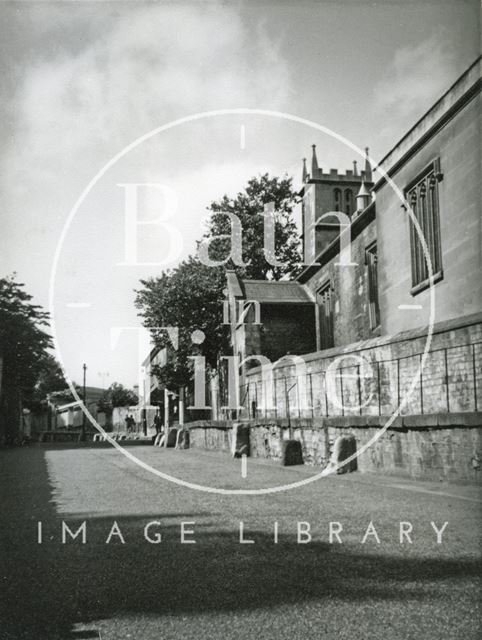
388 374
431 447
210 435
449 132
349 285
284 328
287 329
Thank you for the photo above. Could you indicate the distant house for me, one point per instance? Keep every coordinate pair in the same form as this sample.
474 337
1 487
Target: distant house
155 397
152 391
70 414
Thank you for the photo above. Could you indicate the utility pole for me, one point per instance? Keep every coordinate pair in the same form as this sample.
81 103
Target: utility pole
82 435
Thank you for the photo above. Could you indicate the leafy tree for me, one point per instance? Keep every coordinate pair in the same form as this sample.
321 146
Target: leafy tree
247 206
64 396
28 370
50 382
189 297
116 396
22 338
51 377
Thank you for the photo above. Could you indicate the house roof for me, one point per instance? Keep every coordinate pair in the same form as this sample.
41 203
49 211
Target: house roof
234 285
275 292
69 405
268 291
92 393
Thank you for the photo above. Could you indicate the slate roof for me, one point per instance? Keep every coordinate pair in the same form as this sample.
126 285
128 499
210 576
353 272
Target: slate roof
234 285
268 291
275 292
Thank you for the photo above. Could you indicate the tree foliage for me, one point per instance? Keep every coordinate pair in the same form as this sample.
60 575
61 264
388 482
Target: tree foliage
50 381
247 206
24 344
190 297
116 396
64 396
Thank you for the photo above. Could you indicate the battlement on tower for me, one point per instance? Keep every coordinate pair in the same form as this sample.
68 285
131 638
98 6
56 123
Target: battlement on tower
352 176
333 175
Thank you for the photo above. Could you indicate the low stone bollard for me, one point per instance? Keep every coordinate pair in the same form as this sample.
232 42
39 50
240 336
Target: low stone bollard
291 453
171 437
345 446
240 443
183 439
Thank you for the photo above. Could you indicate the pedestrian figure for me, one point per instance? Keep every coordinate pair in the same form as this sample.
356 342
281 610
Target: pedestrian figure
157 423
133 424
130 423
144 422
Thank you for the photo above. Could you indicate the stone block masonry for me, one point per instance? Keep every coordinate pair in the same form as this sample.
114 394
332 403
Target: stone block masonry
437 435
424 447
450 382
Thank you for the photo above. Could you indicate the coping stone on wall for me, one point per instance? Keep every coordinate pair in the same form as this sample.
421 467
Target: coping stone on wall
416 421
426 420
472 419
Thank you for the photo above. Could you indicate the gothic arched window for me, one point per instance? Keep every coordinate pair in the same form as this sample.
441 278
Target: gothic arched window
348 201
337 197
423 197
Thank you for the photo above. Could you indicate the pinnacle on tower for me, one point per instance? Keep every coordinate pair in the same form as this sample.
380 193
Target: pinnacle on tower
314 163
305 171
368 168
355 170
362 197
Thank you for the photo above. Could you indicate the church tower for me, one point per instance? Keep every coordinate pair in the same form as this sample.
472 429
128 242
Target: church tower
323 193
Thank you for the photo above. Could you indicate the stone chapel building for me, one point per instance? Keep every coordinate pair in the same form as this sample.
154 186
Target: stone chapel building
379 304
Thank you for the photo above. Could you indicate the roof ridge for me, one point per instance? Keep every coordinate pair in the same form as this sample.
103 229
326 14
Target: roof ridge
270 281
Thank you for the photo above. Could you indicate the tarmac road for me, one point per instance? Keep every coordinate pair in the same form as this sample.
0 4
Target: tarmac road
212 586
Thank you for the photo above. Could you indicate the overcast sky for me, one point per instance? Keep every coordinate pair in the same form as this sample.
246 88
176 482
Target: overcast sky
82 80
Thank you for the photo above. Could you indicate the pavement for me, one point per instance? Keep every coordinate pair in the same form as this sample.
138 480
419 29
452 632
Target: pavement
290 582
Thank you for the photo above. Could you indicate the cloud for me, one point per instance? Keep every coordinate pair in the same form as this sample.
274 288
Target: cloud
154 64
413 81
88 90
90 81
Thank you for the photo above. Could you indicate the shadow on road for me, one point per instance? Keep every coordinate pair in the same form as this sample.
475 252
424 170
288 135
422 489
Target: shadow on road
49 588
